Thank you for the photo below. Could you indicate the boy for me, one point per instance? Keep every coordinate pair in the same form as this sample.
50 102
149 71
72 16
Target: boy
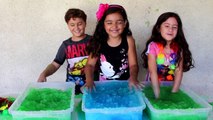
73 50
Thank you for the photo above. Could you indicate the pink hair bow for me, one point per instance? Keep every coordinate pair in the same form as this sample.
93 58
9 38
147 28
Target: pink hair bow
101 10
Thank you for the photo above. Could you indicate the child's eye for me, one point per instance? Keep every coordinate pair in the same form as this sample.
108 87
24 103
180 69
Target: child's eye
175 27
79 24
72 25
109 23
120 22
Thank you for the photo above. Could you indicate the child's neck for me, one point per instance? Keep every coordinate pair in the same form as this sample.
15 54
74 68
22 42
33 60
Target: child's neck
113 42
78 38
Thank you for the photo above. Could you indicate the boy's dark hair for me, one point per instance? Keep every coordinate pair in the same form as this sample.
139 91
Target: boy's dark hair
75 13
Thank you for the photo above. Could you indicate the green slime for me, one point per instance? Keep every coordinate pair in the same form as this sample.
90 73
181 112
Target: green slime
169 100
46 99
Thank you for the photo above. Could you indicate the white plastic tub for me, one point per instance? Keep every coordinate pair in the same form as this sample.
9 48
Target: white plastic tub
43 114
113 100
180 114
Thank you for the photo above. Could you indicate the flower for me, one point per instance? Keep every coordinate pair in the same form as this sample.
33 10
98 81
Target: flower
101 10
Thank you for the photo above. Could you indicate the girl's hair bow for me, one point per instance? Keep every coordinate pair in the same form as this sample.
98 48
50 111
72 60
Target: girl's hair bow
101 10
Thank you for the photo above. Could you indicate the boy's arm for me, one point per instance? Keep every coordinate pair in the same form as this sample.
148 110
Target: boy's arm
49 70
133 63
89 71
152 67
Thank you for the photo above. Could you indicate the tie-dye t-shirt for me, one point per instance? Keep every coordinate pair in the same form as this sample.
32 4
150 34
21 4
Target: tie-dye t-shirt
166 63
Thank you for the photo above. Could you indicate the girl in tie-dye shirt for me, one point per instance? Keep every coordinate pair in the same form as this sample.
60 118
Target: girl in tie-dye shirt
167 53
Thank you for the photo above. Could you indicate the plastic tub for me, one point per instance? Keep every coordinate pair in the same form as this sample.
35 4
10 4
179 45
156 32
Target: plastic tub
113 100
43 114
180 114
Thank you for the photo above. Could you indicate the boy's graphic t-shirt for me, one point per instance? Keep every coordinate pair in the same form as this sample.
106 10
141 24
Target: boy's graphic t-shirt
114 62
166 63
76 56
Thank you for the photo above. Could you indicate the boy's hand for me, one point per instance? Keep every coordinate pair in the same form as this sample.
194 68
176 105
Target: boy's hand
42 79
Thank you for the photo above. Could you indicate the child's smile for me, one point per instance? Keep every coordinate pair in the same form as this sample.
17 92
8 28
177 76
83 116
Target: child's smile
114 25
